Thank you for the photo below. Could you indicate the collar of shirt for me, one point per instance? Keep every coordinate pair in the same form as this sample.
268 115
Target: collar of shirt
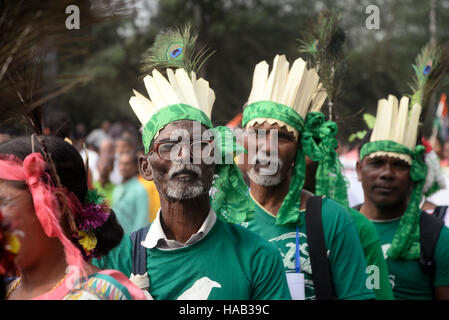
156 237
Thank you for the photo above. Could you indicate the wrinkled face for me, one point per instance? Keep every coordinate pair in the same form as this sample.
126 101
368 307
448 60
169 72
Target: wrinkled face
274 153
179 177
16 205
127 166
385 180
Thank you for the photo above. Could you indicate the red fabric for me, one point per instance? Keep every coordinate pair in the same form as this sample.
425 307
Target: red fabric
32 171
426 144
443 101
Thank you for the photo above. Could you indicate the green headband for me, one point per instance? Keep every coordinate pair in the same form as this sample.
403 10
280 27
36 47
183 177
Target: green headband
229 194
405 244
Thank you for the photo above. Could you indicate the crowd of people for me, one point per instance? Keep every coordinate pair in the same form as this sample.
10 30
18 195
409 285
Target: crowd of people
183 209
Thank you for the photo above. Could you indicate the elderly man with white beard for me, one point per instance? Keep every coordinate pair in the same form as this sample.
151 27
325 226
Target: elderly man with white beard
278 138
194 249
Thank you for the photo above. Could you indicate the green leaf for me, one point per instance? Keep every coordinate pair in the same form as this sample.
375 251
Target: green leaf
370 120
357 135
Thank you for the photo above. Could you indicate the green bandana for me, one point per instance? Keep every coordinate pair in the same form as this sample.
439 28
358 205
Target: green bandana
289 210
329 180
405 243
229 194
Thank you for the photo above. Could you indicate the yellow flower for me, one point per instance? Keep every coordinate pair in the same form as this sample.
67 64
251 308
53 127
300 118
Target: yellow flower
88 240
12 243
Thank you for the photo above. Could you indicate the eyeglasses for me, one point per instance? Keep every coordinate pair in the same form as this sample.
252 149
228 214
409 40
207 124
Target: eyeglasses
198 149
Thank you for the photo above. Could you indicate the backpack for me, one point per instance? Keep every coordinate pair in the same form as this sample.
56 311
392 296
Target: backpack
440 212
139 255
321 275
429 231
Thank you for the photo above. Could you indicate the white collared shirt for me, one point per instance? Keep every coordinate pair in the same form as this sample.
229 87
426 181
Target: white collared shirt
156 237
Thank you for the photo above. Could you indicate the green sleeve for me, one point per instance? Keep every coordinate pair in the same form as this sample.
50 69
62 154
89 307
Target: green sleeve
442 259
119 258
376 264
269 279
346 258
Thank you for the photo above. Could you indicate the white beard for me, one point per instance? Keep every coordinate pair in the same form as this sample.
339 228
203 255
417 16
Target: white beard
263 177
176 189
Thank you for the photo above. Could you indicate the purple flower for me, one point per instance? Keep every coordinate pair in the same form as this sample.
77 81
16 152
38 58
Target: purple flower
93 216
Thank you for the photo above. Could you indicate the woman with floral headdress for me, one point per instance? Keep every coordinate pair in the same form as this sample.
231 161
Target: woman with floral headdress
44 198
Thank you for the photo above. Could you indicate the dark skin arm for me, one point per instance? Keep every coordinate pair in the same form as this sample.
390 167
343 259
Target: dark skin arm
441 293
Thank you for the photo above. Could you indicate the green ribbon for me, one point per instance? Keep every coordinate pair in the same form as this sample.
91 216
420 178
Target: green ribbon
231 202
320 144
229 195
405 244
289 210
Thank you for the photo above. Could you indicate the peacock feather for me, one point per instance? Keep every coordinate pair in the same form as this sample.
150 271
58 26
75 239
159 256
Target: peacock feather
323 49
430 67
175 48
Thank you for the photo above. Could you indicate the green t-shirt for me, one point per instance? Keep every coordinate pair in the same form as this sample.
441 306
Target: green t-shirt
376 269
345 253
406 277
228 263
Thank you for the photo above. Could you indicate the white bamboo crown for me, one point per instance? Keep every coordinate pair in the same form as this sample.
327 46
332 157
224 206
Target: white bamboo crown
179 88
298 88
396 123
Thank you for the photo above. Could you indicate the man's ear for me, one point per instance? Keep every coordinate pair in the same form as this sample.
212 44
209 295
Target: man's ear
358 168
144 168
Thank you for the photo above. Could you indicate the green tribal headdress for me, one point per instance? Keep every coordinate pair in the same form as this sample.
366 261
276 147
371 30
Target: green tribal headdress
181 97
394 135
287 97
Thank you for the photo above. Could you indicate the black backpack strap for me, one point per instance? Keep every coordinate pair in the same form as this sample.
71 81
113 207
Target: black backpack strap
321 274
139 256
440 212
430 228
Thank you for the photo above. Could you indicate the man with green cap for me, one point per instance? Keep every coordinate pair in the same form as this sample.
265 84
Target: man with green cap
393 172
277 107
194 248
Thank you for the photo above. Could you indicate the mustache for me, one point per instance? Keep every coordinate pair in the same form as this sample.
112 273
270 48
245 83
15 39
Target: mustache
263 159
183 168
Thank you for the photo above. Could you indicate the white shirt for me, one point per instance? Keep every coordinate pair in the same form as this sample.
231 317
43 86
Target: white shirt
156 237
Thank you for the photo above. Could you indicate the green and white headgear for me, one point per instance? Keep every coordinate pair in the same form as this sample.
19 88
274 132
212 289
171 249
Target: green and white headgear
287 97
181 97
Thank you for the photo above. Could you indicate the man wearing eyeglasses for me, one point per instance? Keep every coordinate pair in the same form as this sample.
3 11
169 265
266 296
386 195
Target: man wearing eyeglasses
195 249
